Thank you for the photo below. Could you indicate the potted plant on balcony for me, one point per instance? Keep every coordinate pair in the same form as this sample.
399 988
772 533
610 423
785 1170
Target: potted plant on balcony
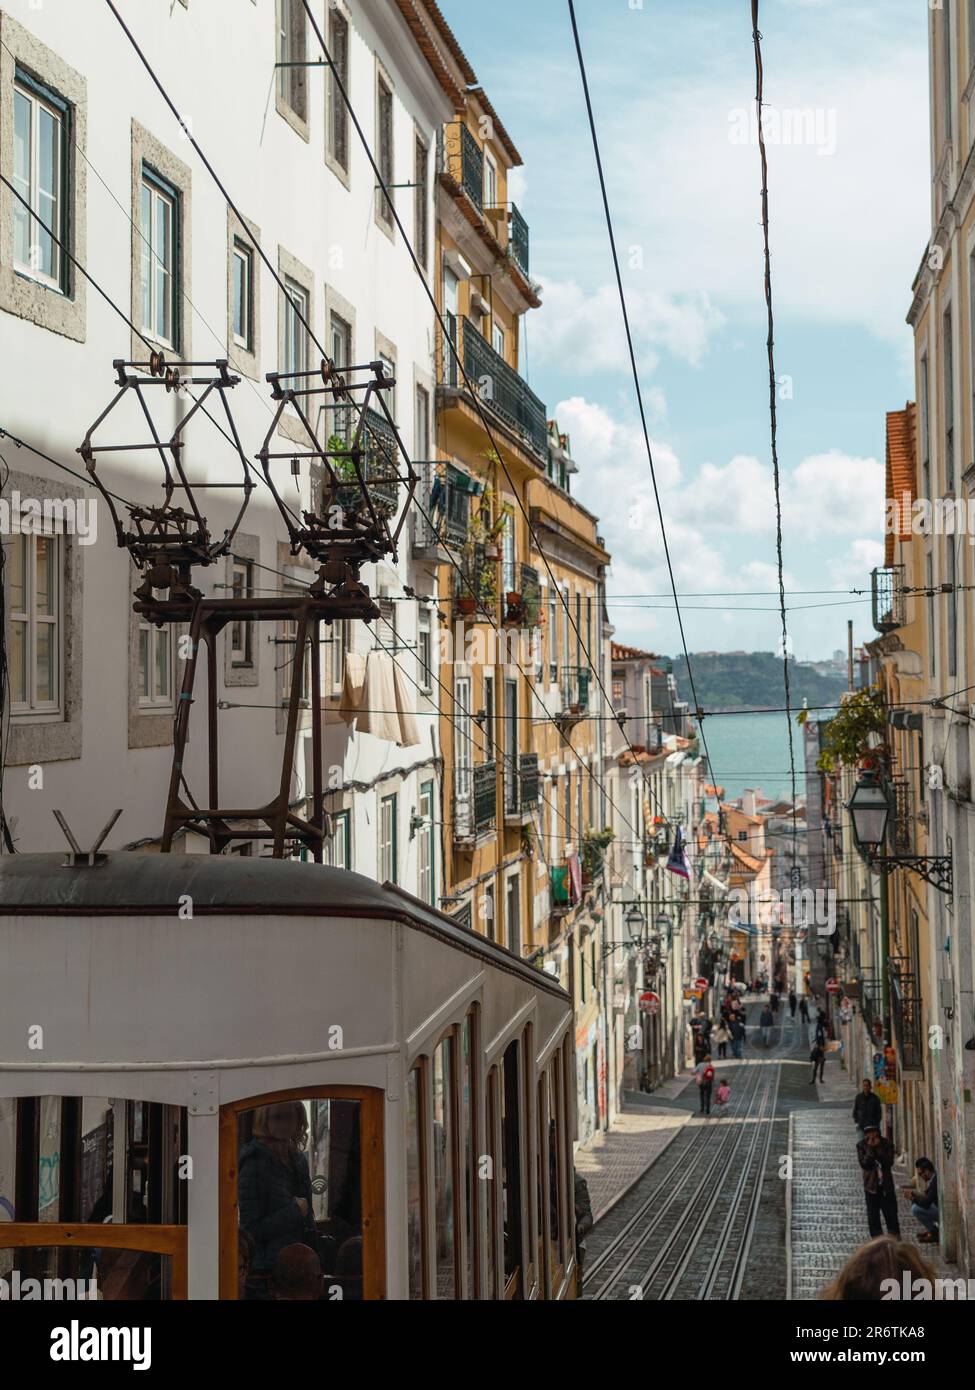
594 846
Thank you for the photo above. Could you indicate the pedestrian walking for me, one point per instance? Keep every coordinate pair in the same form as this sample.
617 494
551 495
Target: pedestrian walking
818 1058
722 1096
822 1030
738 1035
867 1109
722 1037
704 1076
876 1157
774 1003
923 1199
793 1001
766 1022
804 1009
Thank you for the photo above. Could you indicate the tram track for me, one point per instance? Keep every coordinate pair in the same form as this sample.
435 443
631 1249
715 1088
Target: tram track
690 1234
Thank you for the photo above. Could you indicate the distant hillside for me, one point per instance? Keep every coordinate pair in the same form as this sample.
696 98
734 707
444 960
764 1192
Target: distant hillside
733 680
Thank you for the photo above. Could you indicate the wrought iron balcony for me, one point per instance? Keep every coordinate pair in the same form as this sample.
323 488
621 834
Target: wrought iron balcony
521 785
887 589
449 372
503 391
905 1009
475 800
519 240
443 515
462 160
872 1003
527 611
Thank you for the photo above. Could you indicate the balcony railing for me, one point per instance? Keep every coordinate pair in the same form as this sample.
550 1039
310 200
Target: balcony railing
888 598
521 785
527 611
443 515
872 1003
475 800
503 391
462 158
449 373
905 1008
574 689
519 240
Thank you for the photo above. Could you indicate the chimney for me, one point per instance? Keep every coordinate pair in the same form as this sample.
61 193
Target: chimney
749 802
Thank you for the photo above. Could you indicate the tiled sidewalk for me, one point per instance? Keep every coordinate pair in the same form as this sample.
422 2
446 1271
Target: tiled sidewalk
616 1158
828 1215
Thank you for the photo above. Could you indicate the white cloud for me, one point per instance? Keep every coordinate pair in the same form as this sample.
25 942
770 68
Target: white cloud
587 329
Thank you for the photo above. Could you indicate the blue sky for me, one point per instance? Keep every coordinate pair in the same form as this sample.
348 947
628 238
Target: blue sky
673 90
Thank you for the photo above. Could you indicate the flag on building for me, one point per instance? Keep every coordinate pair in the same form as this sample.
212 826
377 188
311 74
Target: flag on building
678 862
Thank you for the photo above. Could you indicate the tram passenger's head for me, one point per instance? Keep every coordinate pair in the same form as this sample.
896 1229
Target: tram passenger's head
874 1265
284 1122
297 1275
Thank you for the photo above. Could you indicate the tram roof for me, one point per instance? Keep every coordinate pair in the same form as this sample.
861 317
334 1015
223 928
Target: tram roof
131 884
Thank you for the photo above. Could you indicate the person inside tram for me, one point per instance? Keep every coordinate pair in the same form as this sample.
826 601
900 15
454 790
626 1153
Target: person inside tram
245 1258
296 1276
274 1185
348 1269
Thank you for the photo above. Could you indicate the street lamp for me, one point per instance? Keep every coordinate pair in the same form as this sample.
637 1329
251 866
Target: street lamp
635 923
870 809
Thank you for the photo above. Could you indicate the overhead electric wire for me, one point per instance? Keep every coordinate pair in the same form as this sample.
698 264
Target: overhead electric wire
773 388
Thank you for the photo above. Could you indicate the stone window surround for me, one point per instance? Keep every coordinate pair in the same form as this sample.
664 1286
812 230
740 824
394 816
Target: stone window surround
422 136
344 176
146 149
246 547
382 75
344 309
290 268
247 363
385 347
41 738
19 294
299 124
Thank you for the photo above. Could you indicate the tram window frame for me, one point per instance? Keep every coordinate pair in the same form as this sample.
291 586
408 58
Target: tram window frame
568 1102
530 1217
495 1245
450 1041
373 1180
541 1187
510 1154
556 1097
419 1072
66 1231
469 1132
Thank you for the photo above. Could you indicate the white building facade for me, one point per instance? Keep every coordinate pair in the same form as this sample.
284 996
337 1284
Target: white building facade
99 159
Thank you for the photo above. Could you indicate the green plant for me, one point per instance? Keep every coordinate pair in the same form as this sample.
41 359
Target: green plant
594 846
848 738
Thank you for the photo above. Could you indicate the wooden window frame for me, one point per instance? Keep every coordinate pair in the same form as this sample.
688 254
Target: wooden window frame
372 1154
75 1235
421 1068
42 98
452 1038
35 709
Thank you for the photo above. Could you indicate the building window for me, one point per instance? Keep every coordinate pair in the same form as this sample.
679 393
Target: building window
242 273
489 928
384 149
553 635
932 639
33 576
508 553
290 55
389 372
427 865
421 423
421 228
339 847
387 633
513 913
424 651
241 632
40 169
155 665
949 113
926 418
952 577
949 389
338 114
497 339
387 839
294 355
490 181
159 213
339 639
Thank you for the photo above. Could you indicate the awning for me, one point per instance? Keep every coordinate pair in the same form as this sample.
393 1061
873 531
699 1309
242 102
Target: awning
464 482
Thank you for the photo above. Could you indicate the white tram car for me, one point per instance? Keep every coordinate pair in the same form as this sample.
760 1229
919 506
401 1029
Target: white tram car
216 1073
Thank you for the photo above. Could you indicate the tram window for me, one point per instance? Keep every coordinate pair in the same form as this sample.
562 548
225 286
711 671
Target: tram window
468 1097
556 1162
491 1199
117 1276
58 1159
511 1169
414 1182
300 1184
444 1152
541 1151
